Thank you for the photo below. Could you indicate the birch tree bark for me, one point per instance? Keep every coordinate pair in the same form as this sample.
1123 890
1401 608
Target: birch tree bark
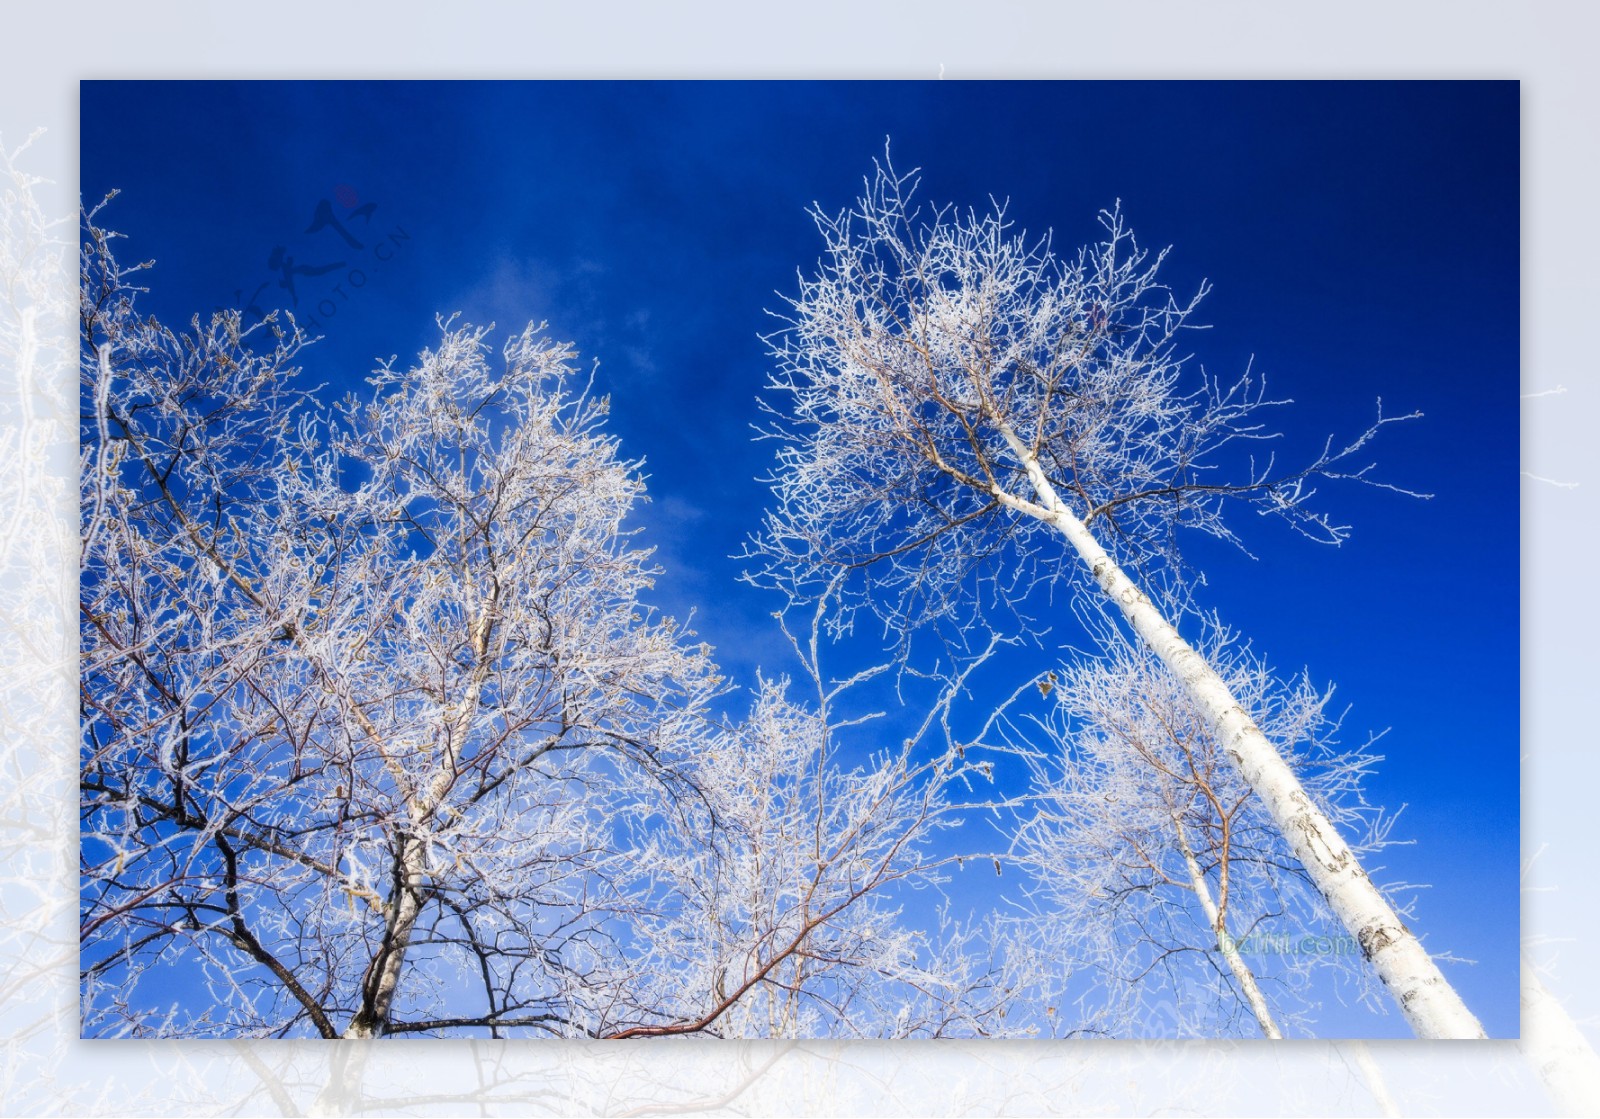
1426 998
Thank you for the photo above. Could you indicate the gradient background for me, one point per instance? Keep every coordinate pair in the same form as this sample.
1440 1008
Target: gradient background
1548 48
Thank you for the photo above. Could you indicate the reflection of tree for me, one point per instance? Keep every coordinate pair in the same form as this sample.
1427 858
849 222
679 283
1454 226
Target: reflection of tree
37 669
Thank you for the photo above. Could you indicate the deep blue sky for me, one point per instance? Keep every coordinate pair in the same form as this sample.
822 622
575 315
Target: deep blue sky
1361 239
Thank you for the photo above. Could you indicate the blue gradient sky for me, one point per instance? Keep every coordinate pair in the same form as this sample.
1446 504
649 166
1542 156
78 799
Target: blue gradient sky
1361 240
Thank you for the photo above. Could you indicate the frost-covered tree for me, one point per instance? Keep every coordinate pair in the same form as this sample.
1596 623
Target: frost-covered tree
37 541
968 412
1157 877
379 738
367 700
788 923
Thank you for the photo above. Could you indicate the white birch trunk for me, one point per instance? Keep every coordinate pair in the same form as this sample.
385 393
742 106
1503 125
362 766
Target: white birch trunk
1427 1000
383 975
1230 951
380 985
1370 1073
1555 1046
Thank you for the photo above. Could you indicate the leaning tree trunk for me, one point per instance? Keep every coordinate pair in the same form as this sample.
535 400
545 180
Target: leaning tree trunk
1426 998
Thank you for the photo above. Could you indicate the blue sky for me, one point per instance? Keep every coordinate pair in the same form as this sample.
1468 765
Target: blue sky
1361 240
